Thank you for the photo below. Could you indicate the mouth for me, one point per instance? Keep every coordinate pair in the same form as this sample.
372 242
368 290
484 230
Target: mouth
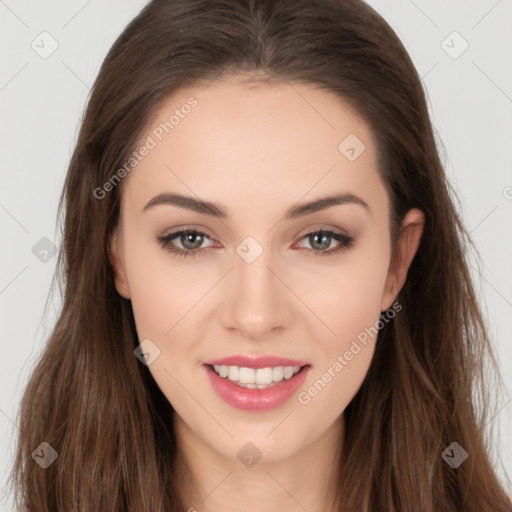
258 385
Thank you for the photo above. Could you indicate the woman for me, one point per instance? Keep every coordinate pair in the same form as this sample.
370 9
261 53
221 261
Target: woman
203 359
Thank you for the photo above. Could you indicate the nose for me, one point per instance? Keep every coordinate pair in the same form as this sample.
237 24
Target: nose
257 304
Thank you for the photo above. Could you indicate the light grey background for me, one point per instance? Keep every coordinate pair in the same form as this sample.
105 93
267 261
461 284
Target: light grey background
42 100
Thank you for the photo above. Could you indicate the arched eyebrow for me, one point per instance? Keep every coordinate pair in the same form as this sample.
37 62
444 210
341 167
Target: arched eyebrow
218 211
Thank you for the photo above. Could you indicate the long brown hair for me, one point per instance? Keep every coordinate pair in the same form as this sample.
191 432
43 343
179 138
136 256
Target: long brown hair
98 406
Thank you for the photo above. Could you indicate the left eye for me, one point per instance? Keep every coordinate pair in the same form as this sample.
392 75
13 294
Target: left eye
322 239
191 240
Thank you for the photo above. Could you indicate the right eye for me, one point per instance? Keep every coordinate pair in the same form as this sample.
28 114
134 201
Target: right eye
186 237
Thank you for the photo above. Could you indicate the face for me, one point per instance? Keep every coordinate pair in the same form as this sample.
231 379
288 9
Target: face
266 285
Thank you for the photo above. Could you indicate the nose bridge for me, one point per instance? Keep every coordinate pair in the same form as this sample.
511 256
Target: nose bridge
256 301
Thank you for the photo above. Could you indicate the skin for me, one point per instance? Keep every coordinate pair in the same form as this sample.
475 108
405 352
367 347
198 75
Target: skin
258 150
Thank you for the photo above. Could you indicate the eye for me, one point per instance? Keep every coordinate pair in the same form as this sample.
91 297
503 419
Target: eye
191 241
320 240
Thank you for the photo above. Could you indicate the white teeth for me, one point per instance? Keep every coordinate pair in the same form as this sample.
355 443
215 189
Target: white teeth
233 373
277 373
264 375
247 376
256 378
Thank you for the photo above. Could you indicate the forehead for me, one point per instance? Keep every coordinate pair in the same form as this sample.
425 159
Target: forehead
233 140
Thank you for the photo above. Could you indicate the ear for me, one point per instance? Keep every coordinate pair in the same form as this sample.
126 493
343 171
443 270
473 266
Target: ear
121 281
407 245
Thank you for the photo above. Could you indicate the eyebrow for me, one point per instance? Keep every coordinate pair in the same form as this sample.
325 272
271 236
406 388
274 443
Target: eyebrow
215 210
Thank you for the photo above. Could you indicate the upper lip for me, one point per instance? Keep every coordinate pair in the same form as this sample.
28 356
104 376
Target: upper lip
255 362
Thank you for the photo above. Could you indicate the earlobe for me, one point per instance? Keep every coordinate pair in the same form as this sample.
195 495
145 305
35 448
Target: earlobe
407 245
117 264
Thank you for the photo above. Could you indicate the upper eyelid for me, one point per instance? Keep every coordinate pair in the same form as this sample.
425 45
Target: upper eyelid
314 227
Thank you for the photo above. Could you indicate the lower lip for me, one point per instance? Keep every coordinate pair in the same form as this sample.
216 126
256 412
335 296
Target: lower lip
256 399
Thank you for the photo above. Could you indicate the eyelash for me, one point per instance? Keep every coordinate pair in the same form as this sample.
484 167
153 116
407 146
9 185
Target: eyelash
346 242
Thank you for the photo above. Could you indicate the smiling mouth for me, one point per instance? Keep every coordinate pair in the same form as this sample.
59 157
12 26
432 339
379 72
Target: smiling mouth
256 378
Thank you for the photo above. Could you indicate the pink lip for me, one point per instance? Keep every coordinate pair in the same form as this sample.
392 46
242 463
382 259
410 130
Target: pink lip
256 362
256 399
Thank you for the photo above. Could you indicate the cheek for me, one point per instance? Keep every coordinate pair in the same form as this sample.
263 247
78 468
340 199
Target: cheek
348 295
163 290
343 358
348 299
